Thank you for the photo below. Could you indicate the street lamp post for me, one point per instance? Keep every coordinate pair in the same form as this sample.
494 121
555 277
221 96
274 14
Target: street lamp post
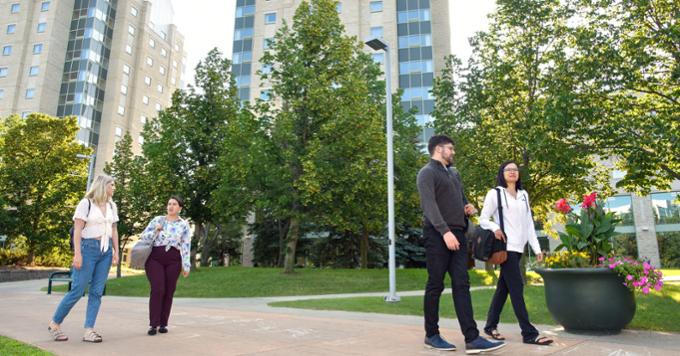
377 45
90 170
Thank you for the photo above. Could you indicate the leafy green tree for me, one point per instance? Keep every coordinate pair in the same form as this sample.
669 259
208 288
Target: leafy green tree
326 125
183 145
514 100
626 65
132 192
42 178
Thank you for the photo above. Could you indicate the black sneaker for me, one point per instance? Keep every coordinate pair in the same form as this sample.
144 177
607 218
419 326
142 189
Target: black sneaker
162 330
481 344
436 342
152 331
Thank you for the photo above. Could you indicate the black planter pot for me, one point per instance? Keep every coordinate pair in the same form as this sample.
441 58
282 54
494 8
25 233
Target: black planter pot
588 300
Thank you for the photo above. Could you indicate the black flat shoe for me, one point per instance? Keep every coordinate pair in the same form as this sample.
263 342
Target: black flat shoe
162 330
152 331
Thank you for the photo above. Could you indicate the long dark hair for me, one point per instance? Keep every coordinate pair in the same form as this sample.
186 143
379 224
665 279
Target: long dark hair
500 179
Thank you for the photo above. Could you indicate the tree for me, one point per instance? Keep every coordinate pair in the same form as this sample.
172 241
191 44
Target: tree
42 177
326 125
627 66
132 192
515 100
183 145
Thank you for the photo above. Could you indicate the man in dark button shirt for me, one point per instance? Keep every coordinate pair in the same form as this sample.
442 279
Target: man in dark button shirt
445 208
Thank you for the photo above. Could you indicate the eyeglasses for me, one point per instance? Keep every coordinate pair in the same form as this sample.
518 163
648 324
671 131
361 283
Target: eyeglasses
511 170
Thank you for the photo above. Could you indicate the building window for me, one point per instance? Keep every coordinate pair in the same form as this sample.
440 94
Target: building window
174 64
121 110
131 30
376 6
6 50
666 207
149 61
164 53
133 11
45 6
15 8
161 69
147 81
140 139
126 69
128 49
159 88
11 28
265 94
338 7
33 71
119 132
30 93
152 43
173 81
2 94
270 18
25 114
376 32
622 206
123 89
378 57
158 107
266 68
42 27
37 48
145 100
3 72
142 119
164 35
267 42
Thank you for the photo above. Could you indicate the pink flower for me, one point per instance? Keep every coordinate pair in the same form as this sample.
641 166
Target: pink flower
589 200
629 277
562 206
601 259
612 265
643 280
645 290
646 265
657 287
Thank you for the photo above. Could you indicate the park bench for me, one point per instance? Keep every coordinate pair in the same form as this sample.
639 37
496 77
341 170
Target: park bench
63 276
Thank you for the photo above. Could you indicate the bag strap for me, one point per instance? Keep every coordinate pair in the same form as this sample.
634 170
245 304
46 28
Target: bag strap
500 209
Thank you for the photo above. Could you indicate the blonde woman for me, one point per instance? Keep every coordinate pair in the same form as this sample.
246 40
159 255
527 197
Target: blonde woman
95 241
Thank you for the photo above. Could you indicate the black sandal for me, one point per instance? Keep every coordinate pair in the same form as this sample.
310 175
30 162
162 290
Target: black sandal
540 340
494 334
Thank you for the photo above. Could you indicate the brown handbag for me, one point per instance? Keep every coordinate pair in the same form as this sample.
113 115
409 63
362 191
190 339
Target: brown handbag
499 254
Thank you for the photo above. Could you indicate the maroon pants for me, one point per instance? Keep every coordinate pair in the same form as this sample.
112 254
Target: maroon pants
162 270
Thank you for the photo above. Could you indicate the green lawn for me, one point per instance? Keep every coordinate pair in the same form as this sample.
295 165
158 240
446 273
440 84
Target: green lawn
670 272
657 311
225 282
10 347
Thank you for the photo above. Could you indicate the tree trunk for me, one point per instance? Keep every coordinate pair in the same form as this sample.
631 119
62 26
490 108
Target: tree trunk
291 244
205 246
198 233
363 249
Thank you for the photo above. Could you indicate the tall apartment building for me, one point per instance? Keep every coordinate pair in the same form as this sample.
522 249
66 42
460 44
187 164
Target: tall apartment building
111 63
417 31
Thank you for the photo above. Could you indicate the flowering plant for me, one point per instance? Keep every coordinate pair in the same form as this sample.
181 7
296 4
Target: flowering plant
590 230
636 274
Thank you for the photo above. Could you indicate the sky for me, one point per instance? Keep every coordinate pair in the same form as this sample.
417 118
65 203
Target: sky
207 24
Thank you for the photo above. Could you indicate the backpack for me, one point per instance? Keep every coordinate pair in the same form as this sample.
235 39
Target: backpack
485 246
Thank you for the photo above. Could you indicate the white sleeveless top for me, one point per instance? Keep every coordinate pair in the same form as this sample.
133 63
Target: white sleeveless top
97 224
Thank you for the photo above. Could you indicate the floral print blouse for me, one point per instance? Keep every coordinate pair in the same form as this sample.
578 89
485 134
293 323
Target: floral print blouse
174 234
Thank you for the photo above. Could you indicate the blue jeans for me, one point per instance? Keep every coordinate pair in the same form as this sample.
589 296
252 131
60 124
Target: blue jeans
94 271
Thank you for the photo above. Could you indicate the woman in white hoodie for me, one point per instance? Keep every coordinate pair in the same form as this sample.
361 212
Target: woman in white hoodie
518 229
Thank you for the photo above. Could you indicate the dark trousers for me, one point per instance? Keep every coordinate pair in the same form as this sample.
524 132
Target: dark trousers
441 260
510 281
162 270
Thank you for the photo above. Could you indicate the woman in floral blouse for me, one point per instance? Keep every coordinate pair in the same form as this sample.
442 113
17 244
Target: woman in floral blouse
170 254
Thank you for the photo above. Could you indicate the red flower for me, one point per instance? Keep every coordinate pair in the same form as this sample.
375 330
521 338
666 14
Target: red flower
563 206
589 200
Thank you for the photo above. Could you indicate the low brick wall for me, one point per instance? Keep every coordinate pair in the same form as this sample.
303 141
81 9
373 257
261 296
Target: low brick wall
17 274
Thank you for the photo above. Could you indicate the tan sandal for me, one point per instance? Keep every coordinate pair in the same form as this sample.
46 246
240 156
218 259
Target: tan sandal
57 334
92 336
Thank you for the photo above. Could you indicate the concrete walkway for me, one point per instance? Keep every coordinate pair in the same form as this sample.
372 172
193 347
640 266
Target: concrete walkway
247 326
